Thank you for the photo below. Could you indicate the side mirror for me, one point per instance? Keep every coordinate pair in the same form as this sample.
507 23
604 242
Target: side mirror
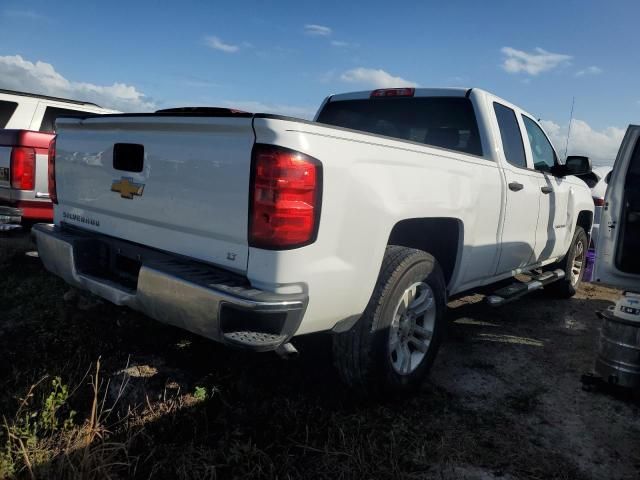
577 165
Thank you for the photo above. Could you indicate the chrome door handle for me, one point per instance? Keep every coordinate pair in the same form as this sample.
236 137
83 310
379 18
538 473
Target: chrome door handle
546 189
515 186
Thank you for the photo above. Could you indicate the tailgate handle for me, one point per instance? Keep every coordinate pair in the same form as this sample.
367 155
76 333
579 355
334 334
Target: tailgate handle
128 157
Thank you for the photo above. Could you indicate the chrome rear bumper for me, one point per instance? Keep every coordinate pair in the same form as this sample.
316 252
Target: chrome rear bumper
10 218
202 299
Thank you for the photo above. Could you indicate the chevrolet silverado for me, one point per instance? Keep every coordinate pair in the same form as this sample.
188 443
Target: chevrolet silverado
250 229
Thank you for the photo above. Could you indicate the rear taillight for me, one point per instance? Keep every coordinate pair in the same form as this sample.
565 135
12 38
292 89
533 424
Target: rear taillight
394 92
23 168
286 191
53 195
598 202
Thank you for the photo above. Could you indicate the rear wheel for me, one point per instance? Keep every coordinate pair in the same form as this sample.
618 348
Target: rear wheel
394 343
573 264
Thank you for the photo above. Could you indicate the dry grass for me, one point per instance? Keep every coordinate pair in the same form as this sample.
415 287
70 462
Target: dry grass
149 401
41 443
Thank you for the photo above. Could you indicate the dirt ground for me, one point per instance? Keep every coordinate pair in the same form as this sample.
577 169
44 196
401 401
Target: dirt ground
504 399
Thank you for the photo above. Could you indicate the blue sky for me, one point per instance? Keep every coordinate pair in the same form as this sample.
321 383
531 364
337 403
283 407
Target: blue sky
287 56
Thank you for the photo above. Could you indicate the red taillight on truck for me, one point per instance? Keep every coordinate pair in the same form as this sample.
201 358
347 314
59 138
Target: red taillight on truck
53 195
286 189
23 168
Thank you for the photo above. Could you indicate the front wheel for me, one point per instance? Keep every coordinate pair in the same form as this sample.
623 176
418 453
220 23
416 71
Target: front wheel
395 341
573 264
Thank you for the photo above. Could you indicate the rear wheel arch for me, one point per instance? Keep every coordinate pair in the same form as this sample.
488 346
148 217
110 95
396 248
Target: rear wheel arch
585 220
442 237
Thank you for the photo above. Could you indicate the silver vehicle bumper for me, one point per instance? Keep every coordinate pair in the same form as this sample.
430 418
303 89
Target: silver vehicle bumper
202 299
10 218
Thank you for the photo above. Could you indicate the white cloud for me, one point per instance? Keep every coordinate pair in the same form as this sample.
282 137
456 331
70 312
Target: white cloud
279 109
340 43
533 63
592 70
599 145
198 83
24 15
17 73
330 75
317 30
214 42
376 78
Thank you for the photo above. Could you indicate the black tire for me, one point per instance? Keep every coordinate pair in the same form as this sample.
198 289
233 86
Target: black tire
568 286
362 355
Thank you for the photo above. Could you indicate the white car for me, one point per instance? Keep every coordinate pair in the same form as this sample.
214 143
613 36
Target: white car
250 229
597 181
618 257
26 130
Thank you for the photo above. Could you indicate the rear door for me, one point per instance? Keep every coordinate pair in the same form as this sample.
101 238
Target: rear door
518 238
618 246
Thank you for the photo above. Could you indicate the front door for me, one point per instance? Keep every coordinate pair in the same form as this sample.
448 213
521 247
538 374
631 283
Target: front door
553 232
618 245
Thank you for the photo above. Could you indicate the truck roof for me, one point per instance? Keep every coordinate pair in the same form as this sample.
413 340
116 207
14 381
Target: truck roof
419 92
424 92
47 97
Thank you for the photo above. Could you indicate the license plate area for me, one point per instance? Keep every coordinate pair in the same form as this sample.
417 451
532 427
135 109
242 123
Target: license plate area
102 260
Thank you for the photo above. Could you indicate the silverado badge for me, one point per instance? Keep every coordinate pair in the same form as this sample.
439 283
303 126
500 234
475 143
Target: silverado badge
127 188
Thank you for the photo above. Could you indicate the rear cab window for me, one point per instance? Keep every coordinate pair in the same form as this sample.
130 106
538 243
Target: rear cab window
51 113
444 122
6 112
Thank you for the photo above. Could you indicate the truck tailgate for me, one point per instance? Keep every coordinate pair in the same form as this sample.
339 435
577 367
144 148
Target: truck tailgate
176 183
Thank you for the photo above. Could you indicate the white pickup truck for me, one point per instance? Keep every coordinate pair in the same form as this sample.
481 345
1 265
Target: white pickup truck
252 228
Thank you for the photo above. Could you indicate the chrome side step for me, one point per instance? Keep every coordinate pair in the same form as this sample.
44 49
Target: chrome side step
519 289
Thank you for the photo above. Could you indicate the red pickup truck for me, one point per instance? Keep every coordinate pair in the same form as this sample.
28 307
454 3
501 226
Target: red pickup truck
26 130
23 177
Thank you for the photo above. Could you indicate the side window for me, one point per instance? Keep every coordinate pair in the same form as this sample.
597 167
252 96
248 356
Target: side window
511 136
543 155
6 111
51 113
